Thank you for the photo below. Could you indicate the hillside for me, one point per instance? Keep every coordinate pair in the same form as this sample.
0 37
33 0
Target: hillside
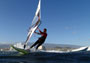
62 47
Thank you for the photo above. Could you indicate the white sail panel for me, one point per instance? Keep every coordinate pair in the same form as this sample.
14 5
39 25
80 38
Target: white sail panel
38 8
37 14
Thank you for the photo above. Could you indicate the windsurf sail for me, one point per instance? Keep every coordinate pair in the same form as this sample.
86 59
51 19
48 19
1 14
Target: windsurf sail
35 23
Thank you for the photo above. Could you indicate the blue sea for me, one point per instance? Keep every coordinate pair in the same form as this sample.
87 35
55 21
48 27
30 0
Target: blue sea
45 57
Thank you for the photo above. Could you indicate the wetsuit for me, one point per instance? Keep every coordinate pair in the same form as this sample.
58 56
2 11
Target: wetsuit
41 40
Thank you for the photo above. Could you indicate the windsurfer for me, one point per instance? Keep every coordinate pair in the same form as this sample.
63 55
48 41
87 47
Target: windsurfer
41 40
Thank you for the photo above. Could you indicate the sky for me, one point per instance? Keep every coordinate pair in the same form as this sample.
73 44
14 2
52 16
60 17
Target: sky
67 21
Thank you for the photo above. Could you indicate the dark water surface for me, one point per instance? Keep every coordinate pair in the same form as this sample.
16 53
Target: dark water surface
44 57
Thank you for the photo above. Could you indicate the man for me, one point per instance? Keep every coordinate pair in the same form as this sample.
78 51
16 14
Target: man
41 40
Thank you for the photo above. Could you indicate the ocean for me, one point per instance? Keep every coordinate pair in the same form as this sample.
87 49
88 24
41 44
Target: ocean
45 57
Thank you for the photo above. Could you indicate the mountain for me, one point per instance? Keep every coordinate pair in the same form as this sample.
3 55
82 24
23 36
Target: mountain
61 45
47 45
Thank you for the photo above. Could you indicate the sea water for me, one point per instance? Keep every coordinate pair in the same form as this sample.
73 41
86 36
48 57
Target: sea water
45 57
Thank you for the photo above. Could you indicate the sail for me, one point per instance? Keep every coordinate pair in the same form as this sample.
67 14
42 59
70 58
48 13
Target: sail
35 23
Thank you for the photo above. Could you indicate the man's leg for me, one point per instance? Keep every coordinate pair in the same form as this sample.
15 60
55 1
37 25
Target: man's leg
39 44
35 43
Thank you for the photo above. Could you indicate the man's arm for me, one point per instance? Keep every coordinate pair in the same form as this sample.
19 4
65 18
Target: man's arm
39 30
37 33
